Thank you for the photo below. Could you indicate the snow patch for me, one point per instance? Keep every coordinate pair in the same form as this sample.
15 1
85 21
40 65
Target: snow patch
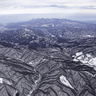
64 80
60 35
35 85
7 81
30 63
26 35
45 25
26 29
88 36
86 60
15 93
1 80
79 53
52 36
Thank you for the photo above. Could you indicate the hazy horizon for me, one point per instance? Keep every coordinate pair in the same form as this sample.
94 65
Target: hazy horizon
20 10
13 18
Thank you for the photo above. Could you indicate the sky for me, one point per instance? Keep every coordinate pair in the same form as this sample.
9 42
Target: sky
67 7
47 6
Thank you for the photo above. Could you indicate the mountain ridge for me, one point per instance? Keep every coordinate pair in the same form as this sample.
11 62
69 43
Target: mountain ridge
56 59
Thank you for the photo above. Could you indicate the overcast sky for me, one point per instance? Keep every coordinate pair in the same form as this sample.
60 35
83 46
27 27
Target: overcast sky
47 6
82 10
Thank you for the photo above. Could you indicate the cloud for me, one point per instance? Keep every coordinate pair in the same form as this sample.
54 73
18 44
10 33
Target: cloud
88 7
58 6
45 6
37 6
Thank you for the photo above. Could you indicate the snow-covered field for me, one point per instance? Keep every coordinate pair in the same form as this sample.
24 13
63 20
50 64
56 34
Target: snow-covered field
87 59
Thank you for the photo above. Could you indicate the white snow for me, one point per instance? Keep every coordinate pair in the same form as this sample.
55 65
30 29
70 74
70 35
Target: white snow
88 59
52 36
35 85
92 61
26 35
45 25
1 80
88 36
52 25
88 55
79 53
60 35
26 29
75 59
34 62
80 57
15 93
7 82
64 80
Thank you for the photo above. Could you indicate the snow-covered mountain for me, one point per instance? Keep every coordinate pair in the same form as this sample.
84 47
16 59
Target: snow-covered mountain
43 57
